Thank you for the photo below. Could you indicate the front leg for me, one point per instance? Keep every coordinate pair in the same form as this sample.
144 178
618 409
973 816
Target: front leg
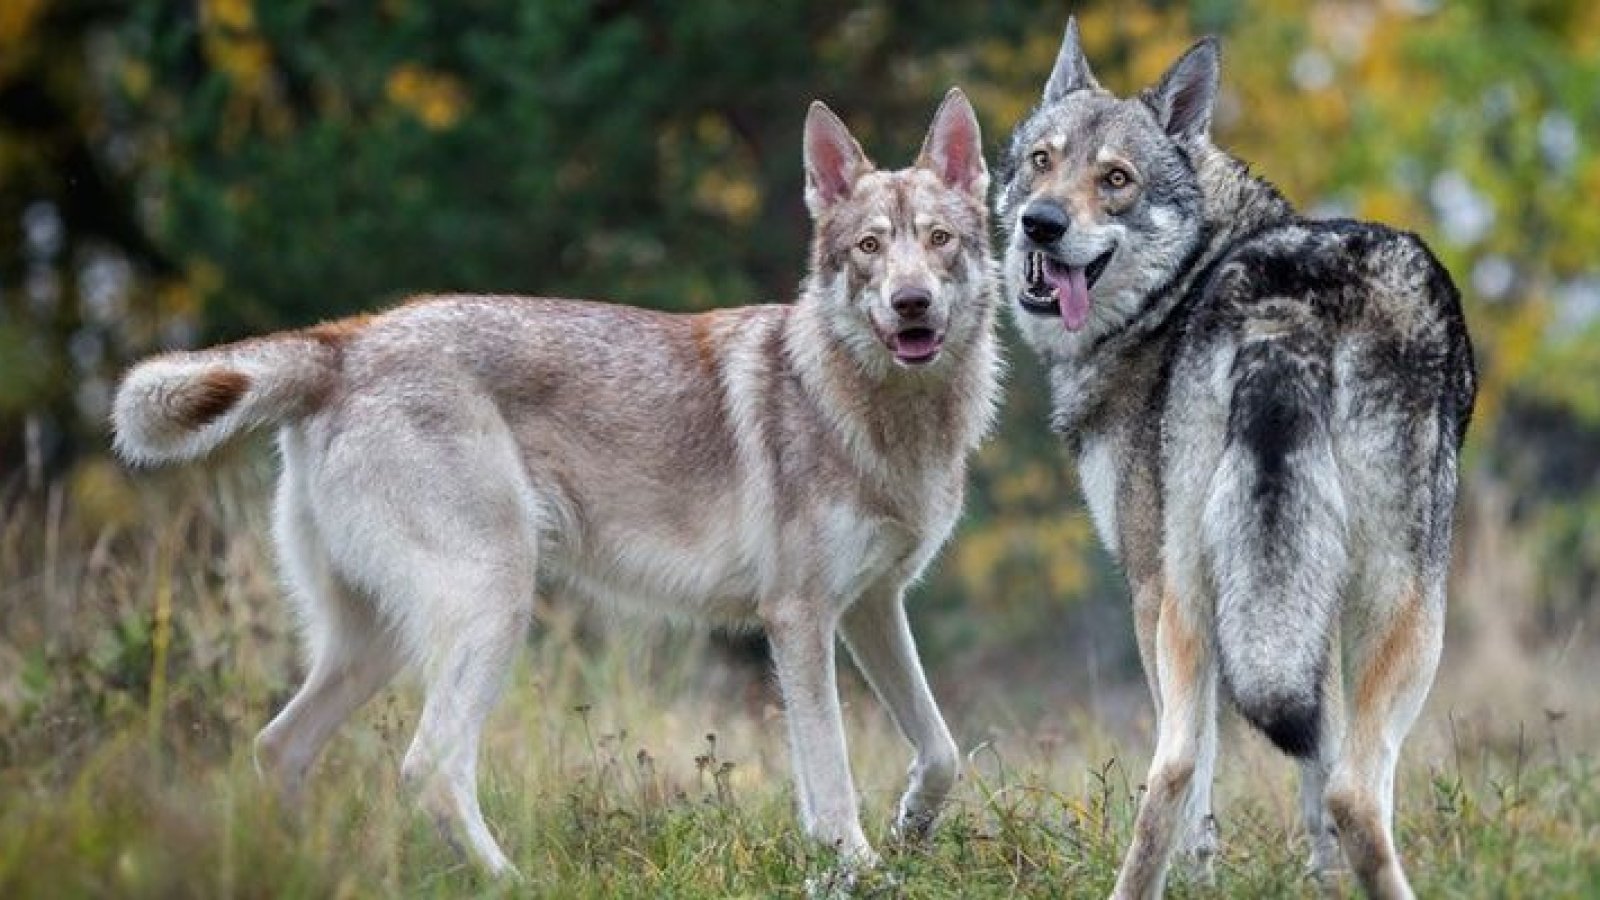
879 637
802 637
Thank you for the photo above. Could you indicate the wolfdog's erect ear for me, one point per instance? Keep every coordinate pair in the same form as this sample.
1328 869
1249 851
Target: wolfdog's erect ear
953 149
833 159
1185 95
1072 69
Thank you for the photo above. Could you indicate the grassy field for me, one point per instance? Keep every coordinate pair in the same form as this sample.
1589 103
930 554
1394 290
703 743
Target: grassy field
142 644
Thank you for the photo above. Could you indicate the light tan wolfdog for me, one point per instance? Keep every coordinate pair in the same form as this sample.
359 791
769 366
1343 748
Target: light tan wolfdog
792 467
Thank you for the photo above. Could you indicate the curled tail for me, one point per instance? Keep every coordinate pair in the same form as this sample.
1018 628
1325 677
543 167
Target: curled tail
1275 533
181 406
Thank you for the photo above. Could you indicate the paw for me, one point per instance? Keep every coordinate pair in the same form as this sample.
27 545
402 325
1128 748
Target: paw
853 879
1327 865
504 872
920 808
832 885
1198 861
914 822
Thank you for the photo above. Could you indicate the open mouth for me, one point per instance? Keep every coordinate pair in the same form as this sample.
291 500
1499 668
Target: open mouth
1057 289
915 346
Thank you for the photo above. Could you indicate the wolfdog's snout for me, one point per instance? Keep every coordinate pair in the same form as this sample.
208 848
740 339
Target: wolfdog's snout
1044 222
911 302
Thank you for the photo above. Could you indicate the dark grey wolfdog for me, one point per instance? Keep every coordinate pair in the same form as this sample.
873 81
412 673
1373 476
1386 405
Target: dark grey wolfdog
1266 413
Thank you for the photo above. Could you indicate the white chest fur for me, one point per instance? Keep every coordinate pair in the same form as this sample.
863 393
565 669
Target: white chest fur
1097 473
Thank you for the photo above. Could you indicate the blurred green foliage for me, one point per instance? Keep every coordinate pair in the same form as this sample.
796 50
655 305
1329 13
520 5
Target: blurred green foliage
174 173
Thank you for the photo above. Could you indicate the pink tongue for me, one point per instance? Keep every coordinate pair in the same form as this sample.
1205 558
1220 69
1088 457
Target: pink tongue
1072 293
916 343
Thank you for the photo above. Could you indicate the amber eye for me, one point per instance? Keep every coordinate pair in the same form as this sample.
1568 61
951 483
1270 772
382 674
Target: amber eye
1041 160
939 237
1116 179
868 244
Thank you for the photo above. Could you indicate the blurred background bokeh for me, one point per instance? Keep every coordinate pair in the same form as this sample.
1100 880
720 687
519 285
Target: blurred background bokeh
174 174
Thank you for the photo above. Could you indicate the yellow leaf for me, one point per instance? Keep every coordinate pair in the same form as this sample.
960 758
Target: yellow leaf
436 99
17 18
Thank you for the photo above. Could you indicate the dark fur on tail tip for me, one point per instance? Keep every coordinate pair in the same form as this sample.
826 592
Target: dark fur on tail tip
208 398
1294 725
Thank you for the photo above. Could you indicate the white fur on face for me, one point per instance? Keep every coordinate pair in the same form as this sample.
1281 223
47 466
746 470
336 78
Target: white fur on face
900 210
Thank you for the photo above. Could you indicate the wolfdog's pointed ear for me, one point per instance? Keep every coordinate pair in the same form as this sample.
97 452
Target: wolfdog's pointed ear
833 159
1183 99
1072 69
953 149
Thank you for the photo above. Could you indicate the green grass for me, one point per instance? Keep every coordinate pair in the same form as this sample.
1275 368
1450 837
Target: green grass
137 660
623 816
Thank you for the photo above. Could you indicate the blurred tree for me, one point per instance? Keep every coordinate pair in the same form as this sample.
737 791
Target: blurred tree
72 249
180 171
311 159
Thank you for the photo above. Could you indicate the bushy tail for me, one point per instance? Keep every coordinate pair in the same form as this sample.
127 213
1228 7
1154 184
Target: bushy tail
1276 537
181 406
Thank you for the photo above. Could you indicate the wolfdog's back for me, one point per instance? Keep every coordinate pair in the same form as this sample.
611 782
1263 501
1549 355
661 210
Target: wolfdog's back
601 431
1327 376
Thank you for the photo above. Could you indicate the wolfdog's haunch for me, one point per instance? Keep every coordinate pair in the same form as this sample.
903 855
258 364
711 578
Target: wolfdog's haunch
1266 413
790 467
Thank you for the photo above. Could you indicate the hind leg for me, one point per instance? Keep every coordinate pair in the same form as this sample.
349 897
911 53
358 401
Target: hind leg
353 661
1201 841
1185 742
350 654
473 636
1323 837
1394 652
443 531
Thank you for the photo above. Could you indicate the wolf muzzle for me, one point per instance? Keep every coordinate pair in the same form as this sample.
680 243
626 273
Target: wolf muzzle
1044 222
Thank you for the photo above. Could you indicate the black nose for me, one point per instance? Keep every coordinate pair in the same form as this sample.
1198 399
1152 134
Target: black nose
1044 223
911 303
